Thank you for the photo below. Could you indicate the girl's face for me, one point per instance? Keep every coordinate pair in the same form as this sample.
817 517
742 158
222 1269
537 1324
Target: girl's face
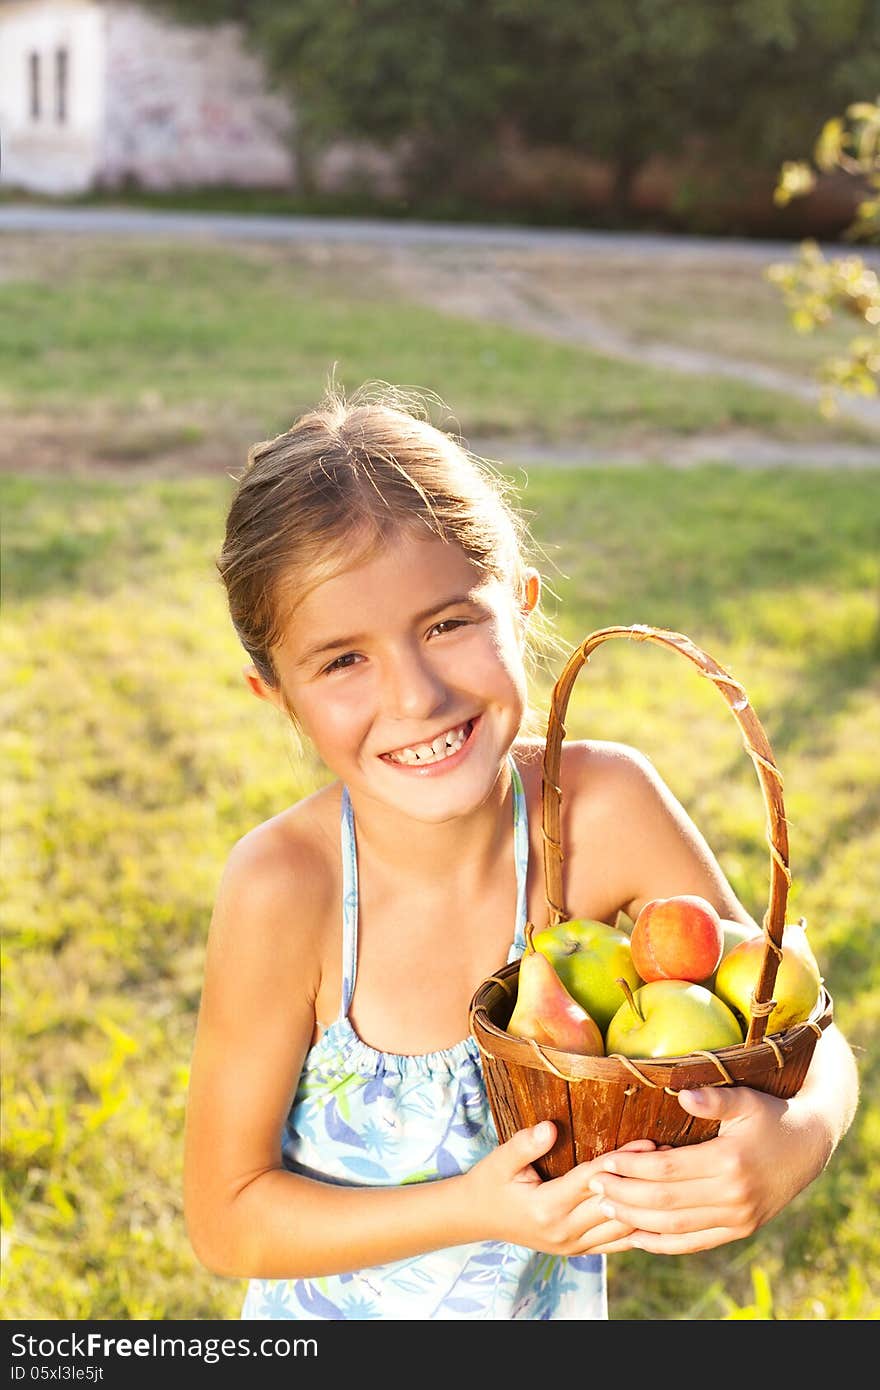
406 672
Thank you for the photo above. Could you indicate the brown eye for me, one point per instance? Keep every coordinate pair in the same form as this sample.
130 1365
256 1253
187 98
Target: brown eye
341 663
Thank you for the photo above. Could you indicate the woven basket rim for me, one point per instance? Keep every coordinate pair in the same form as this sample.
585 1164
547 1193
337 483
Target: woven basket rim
535 1058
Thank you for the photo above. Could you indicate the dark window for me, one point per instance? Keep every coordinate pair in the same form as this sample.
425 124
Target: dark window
34 76
61 75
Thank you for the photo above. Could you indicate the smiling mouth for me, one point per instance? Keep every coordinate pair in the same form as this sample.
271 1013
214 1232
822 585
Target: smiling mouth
443 746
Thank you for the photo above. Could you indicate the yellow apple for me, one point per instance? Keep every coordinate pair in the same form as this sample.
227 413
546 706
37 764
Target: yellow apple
671 1018
734 933
796 989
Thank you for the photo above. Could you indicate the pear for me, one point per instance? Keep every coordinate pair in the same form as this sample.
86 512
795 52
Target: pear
590 957
545 1011
798 984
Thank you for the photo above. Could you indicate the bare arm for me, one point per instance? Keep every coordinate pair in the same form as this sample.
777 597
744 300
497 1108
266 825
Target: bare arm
249 1217
768 1150
246 1215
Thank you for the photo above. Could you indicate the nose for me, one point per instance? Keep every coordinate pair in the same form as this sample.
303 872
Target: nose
412 688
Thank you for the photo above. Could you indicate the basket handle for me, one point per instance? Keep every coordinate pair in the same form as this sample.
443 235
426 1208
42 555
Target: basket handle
756 745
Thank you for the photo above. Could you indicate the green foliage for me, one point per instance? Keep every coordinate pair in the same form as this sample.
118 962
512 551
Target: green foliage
444 85
815 288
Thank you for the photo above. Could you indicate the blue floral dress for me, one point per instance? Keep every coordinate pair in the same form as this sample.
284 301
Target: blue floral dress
366 1118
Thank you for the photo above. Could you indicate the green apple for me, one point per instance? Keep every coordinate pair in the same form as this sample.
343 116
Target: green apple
671 1018
796 989
590 958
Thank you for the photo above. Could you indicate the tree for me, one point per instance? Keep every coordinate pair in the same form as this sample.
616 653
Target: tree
442 82
736 84
816 289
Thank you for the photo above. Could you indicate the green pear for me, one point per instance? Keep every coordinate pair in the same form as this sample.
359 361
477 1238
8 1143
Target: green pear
590 958
671 1018
545 1011
796 989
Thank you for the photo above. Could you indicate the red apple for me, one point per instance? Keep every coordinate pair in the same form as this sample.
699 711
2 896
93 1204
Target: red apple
678 938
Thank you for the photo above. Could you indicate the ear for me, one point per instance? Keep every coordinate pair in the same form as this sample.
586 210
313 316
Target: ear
531 592
261 688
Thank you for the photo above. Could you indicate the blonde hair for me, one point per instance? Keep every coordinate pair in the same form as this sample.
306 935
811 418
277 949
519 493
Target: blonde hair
330 491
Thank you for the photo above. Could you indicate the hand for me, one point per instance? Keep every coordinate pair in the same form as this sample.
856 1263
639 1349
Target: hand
680 1200
559 1216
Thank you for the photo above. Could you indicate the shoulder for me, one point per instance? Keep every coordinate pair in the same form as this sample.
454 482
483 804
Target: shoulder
627 837
613 788
294 848
592 770
610 794
590 765
614 821
278 886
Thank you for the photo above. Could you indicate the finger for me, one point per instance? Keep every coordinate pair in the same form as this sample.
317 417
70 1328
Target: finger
667 1194
526 1145
579 1176
724 1103
612 1247
688 1243
685 1163
667 1222
598 1230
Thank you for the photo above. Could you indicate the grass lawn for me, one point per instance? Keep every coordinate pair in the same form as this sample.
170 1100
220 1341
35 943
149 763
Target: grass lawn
145 347
134 758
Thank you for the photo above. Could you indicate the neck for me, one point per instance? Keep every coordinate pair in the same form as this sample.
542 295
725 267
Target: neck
466 848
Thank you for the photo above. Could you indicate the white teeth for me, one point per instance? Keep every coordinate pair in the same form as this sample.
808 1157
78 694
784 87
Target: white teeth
443 746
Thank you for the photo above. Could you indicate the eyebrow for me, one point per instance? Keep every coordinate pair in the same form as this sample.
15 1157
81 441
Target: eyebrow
355 639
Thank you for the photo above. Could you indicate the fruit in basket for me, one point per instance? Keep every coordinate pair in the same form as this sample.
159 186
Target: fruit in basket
671 1018
677 938
590 958
545 1011
734 933
797 986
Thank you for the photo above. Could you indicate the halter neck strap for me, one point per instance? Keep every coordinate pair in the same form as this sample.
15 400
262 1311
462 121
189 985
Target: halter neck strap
350 883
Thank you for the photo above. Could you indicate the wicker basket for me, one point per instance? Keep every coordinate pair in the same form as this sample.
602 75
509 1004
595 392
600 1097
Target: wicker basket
600 1103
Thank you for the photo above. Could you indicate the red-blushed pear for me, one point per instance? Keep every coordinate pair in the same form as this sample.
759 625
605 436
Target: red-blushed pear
677 938
671 1018
590 957
545 1011
797 986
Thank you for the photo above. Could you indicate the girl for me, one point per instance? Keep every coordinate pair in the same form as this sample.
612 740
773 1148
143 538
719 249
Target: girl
340 1153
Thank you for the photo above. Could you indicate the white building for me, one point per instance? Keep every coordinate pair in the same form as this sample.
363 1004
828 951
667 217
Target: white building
99 94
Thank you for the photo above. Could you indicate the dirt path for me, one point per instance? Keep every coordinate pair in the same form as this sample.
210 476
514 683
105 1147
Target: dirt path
591 290
535 294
